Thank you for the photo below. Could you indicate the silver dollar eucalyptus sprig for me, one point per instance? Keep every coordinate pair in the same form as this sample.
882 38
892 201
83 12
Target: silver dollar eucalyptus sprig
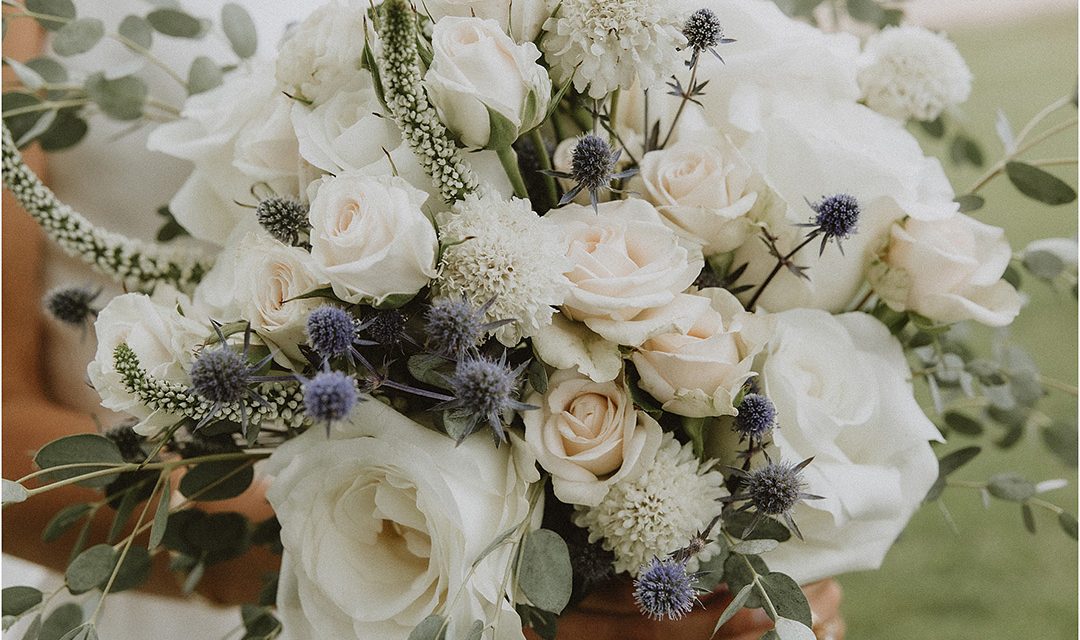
284 402
401 77
136 265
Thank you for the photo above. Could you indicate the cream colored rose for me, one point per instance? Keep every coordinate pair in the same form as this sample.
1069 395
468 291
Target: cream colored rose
160 335
627 268
371 238
478 69
521 20
588 435
699 372
702 187
257 278
322 54
948 270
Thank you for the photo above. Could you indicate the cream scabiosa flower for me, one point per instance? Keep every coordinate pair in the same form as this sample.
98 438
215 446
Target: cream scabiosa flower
610 43
910 72
501 251
657 512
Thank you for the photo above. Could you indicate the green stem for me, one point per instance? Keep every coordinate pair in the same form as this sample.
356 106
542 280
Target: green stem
545 163
613 111
682 105
508 158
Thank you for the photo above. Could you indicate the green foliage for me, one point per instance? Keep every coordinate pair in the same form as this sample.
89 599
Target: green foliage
161 517
81 448
432 627
176 23
217 480
965 150
63 619
544 623
78 36
53 14
19 600
259 622
544 573
14 492
1061 439
120 99
737 603
91 568
137 30
239 29
1010 486
787 597
203 75
947 464
1039 185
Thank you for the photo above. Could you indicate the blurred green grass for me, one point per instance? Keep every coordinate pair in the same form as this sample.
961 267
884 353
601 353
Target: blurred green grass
994 580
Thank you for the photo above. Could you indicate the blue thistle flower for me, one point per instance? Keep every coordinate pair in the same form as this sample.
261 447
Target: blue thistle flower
331 331
485 389
757 417
329 396
703 33
772 491
220 375
592 167
836 217
72 305
386 327
284 217
456 326
663 589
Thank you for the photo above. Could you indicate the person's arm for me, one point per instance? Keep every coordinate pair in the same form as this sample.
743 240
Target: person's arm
31 419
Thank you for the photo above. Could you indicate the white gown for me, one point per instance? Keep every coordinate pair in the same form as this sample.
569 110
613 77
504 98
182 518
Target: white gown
118 184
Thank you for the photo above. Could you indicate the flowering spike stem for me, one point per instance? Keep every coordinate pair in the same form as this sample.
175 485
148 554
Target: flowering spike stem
408 103
281 402
136 265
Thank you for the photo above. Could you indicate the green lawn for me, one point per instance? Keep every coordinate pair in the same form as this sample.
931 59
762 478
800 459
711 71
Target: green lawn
995 580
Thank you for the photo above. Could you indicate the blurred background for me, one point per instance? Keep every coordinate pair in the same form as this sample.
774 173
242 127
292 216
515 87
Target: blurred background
995 580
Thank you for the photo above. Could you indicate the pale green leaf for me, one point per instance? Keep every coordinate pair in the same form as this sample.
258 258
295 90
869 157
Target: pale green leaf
137 30
120 99
239 29
545 575
91 568
19 600
78 36
733 607
432 627
81 448
53 14
1039 185
203 75
175 23
14 492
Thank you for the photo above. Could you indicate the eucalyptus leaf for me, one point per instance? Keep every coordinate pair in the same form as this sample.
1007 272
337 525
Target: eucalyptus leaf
53 14
1068 523
91 568
29 78
1005 131
120 99
134 570
787 629
949 463
544 573
432 627
49 69
33 629
538 376
733 607
82 632
964 424
175 23
755 547
1009 486
63 619
1044 265
739 571
475 632
970 202
78 36
19 600
866 11
459 425
14 492
66 131
1028 516
239 29
123 513
81 448
161 517
203 75
20 123
204 482
1039 185
787 597
137 30
426 367
934 128
1061 439
964 150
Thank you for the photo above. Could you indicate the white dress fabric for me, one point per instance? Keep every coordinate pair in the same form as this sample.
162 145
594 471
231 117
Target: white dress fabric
116 182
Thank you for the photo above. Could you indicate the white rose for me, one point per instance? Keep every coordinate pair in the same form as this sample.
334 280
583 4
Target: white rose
478 69
699 372
948 270
159 335
371 238
382 522
843 395
809 150
702 186
236 135
521 20
627 268
588 436
255 279
322 54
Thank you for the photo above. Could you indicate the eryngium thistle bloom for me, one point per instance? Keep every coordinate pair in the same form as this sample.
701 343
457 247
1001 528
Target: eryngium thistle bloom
663 589
503 253
757 416
72 305
592 168
911 73
836 217
655 513
331 331
772 491
220 375
329 396
386 327
485 390
456 326
703 32
608 44
284 217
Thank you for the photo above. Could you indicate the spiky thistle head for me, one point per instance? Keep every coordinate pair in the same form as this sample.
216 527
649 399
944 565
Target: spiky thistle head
331 331
837 216
772 491
664 589
220 375
284 217
592 168
386 327
485 389
329 396
756 418
72 305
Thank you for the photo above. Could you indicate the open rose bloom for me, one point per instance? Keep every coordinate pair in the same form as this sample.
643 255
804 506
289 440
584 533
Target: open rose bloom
519 313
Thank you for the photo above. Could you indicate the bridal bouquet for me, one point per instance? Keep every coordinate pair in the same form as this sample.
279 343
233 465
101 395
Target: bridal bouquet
497 300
